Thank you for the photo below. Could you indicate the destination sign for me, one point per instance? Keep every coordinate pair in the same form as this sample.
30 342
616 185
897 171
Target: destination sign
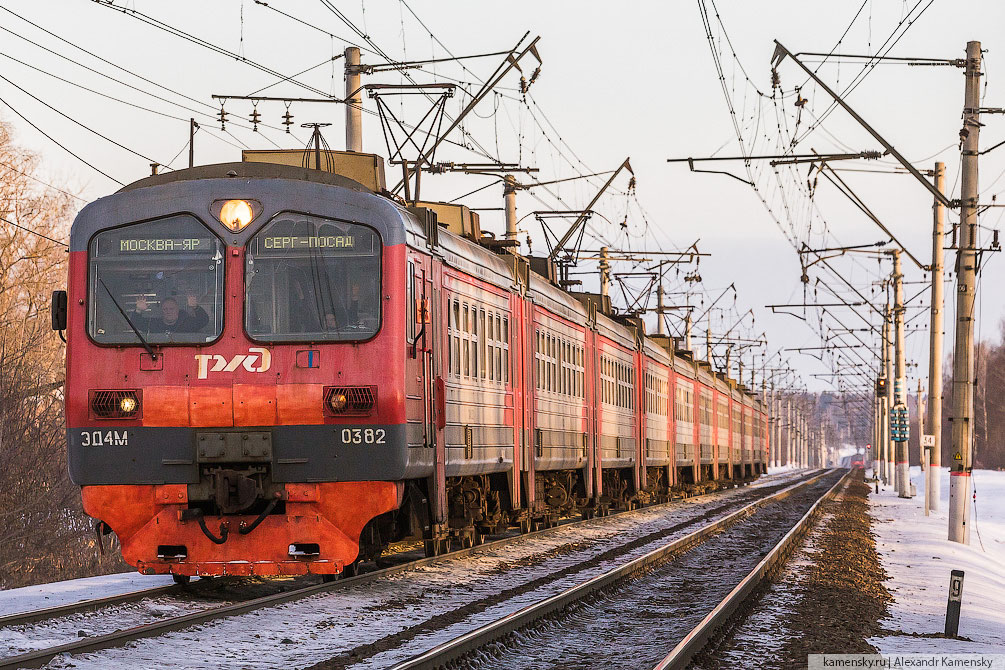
165 244
310 242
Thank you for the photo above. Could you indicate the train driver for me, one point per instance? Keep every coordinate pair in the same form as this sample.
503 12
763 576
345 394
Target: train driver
172 319
354 312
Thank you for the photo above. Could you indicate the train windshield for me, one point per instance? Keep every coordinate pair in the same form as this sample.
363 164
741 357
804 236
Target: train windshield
312 279
159 282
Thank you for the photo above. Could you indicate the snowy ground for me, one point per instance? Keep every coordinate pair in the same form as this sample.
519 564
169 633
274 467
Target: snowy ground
30 598
918 558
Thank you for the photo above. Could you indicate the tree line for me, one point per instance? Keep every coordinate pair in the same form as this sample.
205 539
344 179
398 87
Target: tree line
44 534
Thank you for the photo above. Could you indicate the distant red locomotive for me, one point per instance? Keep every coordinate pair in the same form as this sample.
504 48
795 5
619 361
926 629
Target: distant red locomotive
276 370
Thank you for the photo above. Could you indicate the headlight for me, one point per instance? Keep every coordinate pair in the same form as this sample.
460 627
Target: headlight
236 214
350 400
338 402
114 404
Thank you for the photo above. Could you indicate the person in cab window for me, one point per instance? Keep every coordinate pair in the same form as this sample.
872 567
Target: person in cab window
362 306
352 307
345 313
172 319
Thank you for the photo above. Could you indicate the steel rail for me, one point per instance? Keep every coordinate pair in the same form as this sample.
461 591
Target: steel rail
38 658
455 649
695 641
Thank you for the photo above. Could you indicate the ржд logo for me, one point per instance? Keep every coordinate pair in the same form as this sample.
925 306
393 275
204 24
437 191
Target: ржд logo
248 360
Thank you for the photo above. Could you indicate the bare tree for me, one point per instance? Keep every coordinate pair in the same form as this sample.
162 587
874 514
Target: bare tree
989 407
44 535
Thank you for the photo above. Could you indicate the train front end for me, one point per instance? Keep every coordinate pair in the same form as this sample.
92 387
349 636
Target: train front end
235 366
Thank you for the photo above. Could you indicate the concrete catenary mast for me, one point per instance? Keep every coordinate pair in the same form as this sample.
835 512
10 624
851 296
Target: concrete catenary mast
966 286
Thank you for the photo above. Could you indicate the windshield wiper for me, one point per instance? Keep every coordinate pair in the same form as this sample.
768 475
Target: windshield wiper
136 330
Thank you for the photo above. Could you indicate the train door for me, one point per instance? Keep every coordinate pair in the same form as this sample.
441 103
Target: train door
418 385
674 478
639 410
696 427
436 397
586 418
528 439
517 392
425 392
593 372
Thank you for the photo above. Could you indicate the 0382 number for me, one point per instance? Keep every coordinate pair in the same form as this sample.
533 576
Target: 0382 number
363 436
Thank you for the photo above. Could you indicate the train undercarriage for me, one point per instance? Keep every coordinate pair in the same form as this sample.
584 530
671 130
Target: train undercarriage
480 505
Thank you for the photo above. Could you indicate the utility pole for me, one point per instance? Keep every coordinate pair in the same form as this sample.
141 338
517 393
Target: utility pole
809 443
876 437
891 470
900 376
192 125
933 424
813 448
966 287
509 205
353 101
804 456
797 437
687 328
796 431
661 328
882 395
794 440
800 436
921 430
823 447
708 337
788 430
605 272
765 431
776 426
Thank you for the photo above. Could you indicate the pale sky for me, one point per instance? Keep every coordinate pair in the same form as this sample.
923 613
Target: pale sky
618 79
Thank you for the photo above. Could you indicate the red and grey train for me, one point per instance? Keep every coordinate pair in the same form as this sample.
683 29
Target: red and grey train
276 370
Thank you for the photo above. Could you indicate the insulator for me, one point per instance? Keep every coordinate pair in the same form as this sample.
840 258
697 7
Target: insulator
221 116
255 117
287 120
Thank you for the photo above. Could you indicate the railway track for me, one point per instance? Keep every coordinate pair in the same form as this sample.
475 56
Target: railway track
491 645
119 638
681 655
